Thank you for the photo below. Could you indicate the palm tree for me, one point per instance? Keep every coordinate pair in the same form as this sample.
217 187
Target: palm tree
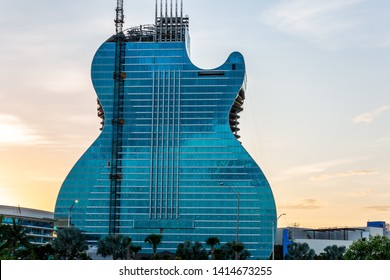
14 237
43 252
191 251
333 252
198 251
300 251
154 240
212 242
134 250
117 246
232 251
237 247
184 250
2 232
70 244
1 224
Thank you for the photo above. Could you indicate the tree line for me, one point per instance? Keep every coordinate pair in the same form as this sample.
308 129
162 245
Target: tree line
71 244
373 248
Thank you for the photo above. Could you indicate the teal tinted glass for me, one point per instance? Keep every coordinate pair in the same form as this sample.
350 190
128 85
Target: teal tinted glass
183 171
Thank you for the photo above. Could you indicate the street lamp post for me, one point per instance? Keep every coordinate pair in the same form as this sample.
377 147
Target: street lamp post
273 234
238 210
238 215
70 211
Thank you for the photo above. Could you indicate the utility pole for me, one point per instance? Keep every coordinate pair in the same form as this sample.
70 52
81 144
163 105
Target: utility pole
238 209
70 211
275 223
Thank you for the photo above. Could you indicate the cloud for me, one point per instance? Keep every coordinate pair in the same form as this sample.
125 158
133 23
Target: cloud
6 196
331 24
307 204
379 208
343 174
369 117
46 179
362 193
13 131
308 169
309 17
382 142
317 167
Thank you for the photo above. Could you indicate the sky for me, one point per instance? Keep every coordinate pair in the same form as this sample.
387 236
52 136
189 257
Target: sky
316 118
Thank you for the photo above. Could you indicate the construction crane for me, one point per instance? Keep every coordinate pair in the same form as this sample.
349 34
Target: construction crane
117 121
120 18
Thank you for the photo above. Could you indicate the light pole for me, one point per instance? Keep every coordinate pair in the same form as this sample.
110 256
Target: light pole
238 210
273 234
238 215
70 211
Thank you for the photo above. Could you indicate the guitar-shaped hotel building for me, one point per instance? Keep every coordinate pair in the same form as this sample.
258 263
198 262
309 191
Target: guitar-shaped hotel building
168 159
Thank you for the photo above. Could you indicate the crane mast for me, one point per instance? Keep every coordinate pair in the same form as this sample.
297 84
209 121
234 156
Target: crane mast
120 18
118 122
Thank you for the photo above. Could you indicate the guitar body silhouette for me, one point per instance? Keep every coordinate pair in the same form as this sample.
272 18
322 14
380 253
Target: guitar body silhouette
168 159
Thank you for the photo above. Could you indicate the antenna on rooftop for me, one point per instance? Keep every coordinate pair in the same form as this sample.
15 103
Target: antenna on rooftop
120 18
169 21
166 8
181 8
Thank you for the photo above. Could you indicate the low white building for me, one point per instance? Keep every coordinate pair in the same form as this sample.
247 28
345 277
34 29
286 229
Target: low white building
319 239
39 224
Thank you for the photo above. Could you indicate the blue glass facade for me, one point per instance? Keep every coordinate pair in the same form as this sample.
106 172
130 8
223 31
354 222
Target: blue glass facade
183 173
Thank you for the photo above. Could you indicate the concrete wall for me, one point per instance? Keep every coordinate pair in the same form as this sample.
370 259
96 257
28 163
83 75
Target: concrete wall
320 239
376 231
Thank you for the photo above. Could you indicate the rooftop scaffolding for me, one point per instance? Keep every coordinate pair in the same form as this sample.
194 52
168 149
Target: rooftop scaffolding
169 26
